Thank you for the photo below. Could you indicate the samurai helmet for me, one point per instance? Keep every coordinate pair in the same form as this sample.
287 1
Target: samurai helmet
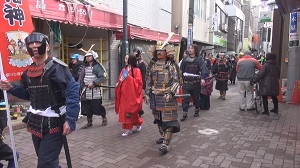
37 37
170 50
90 52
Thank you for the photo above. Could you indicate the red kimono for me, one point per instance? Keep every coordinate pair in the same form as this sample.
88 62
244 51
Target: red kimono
129 98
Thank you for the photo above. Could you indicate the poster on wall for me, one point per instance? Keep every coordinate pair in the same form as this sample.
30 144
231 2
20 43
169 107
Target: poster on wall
16 24
294 29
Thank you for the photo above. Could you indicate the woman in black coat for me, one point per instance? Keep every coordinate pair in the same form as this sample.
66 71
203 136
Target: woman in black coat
269 84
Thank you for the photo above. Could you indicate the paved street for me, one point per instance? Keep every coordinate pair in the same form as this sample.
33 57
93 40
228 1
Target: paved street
245 139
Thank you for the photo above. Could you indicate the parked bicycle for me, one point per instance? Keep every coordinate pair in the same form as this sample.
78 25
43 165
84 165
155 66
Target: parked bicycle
256 97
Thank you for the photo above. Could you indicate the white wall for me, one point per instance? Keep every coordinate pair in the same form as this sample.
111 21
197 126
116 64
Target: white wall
154 14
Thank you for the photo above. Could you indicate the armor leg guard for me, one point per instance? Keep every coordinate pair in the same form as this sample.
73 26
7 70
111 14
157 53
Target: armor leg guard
161 139
164 148
197 112
224 94
184 116
104 121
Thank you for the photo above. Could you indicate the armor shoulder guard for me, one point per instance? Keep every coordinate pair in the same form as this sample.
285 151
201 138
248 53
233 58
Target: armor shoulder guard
59 61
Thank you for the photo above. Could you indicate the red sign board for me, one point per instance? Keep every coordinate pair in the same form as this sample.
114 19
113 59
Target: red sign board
16 24
119 35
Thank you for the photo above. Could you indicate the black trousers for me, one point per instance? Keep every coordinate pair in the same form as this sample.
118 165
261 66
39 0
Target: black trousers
194 90
48 149
6 152
265 102
205 102
93 107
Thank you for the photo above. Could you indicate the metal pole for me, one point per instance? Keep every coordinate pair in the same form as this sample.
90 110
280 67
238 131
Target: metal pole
125 33
190 24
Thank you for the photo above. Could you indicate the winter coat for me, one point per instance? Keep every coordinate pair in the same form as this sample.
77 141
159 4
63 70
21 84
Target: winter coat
268 77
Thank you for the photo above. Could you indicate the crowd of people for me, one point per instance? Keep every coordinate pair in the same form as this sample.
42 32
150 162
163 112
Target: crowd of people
55 92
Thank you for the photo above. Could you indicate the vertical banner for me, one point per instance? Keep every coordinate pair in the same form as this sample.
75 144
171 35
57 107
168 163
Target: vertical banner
294 32
16 24
190 35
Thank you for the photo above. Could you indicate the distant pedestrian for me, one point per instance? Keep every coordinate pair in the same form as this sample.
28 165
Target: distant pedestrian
76 65
221 69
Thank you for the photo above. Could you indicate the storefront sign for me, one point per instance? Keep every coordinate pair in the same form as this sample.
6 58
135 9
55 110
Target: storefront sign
220 41
294 30
214 24
16 24
190 35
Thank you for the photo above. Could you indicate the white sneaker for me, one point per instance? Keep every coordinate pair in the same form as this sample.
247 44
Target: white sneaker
127 133
138 128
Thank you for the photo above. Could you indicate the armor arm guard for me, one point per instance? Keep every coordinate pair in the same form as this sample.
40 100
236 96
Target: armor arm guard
20 90
99 72
175 79
149 82
72 103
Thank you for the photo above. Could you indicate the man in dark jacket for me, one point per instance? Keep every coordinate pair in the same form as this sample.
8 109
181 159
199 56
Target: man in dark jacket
269 85
143 67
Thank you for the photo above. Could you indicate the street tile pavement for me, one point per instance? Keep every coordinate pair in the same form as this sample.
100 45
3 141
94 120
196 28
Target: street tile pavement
244 140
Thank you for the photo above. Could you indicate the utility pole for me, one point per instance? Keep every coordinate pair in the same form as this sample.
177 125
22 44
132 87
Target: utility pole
190 24
125 34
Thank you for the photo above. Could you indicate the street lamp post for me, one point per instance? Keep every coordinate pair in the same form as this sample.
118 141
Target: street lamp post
125 33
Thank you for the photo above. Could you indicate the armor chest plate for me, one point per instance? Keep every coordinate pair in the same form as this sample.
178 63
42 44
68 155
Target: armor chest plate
161 76
192 68
89 77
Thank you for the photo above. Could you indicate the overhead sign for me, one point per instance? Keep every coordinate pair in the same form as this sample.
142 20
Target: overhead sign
214 24
266 16
190 35
294 29
16 24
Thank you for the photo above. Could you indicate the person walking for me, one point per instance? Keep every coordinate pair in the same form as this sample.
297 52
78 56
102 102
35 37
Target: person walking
245 68
221 69
129 96
143 68
268 82
54 100
194 71
76 66
91 76
163 80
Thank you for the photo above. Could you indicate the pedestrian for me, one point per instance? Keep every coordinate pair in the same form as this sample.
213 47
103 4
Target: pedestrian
143 68
91 76
194 71
212 59
54 100
6 152
76 66
205 93
245 68
163 77
268 82
185 54
129 96
233 62
221 69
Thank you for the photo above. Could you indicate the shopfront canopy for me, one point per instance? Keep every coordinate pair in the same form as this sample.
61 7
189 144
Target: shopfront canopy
76 13
94 15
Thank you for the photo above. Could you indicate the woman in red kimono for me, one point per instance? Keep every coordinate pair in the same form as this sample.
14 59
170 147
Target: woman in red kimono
129 96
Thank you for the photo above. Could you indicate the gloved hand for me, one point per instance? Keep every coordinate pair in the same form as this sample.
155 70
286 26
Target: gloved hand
252 82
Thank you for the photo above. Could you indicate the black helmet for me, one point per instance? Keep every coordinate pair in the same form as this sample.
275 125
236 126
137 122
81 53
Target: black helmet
37 37
138 51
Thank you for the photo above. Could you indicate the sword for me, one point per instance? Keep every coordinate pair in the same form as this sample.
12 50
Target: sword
182 95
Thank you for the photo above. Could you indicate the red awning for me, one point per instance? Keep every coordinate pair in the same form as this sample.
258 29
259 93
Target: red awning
75 13
99 16
153 35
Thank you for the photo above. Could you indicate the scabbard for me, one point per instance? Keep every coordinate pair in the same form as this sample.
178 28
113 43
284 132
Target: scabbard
65 143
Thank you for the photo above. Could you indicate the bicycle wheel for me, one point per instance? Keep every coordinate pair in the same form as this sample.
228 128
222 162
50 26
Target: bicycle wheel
258 104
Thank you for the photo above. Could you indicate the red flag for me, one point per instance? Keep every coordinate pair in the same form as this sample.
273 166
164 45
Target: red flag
16 24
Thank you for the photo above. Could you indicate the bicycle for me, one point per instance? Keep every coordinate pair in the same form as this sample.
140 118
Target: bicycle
258 104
